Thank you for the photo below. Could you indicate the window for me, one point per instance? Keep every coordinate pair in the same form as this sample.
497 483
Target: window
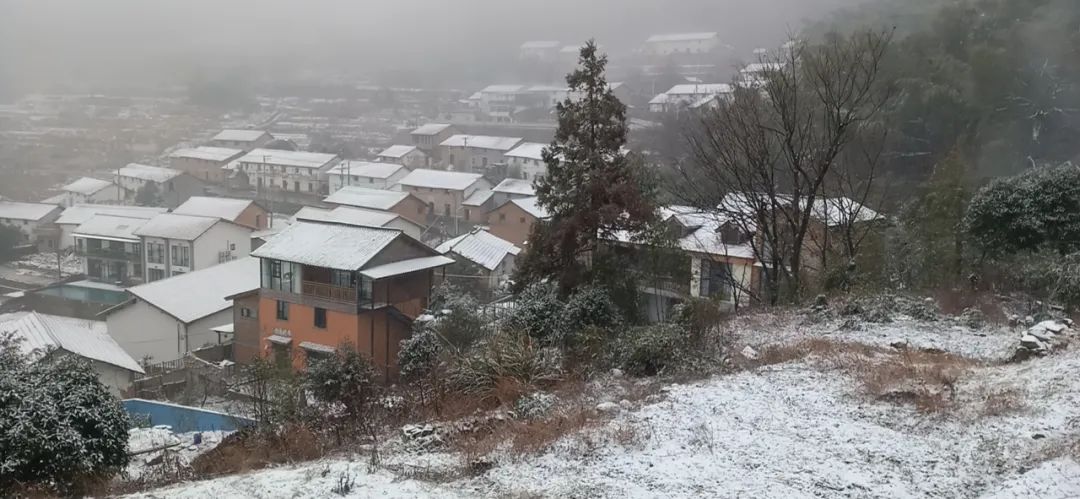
451 159
419 210
296 185
282 310
342 279
320 318
155 275
310 187
181 255
446 209
522 219
371 180
247 313
466 214
431 207
502 217
483 162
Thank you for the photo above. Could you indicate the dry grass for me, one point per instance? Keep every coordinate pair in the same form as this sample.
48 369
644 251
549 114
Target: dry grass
1002 402
954 301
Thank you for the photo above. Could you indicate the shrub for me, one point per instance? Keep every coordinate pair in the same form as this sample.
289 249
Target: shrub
535 405
1066 289
59 425
458 319
590 307
505 357
277 395
345 378
650 350
419 353
539 314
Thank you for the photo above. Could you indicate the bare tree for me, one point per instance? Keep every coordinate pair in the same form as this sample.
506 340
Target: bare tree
766 157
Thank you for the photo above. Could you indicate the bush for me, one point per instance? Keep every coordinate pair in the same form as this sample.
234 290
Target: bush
590 307
59 425
650 350
458 317
505 357
344 378
419 354
1066 289
539 314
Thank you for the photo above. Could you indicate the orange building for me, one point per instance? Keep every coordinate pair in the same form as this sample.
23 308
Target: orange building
326 285
514 220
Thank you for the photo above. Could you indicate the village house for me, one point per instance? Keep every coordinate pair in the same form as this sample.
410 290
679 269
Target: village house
173 186
71 218
484 261
690 95
528 160
512 188
109 249
410 156
514 220
245 140
244 326
681 43
539 50
86 190
41 335
244 212
428 137
360 216
498 102
446 192
403 203
164 320
178 244
326 285
475 153
205 163
34 222
290 171
365 174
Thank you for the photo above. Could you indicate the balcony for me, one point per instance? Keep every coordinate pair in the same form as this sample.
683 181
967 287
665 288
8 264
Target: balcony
108 253
328 292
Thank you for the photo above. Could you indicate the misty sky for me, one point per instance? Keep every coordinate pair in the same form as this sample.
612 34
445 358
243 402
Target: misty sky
44 41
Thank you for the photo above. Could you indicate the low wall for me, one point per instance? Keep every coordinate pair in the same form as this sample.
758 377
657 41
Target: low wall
183 418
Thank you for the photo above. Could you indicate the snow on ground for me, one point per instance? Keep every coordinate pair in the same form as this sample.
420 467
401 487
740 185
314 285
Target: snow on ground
782 431
142 440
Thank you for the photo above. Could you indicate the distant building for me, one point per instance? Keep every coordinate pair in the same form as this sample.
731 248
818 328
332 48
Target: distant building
445 192
528 159
512 188
540 50
428 137
514 220
33 220
244 212
681 43
205 163
109 249
362 217
173 186
403 203
498 102
689 95
365 174
178 244
86 190
290 171
410 156
482 258
71 218
476 153
241 139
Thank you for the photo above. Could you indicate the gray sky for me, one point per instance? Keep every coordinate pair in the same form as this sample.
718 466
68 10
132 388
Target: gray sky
137 41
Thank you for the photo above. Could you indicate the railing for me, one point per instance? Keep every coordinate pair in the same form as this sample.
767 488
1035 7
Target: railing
108 253
328 292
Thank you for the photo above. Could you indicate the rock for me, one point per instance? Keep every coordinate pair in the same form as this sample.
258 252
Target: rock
750 353
899 345
973 318
607 407
625 404
821 301
617 372
1052 326
1029 320
481 465
1038 436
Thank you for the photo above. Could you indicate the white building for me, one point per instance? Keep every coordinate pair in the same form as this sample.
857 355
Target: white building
29 218
428 137
543 50
681 43
475 153
178 244
690 95
173 186
362 217
109 249
492 257
753 75
204 163
499 101
446 193
43 335
512 188
88 190
241 139
410 156
291 171
528 158
165 319
78 214
365 174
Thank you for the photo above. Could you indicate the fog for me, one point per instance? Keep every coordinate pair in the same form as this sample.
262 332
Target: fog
137 43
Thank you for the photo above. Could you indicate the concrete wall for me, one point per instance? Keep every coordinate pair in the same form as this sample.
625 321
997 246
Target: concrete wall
115 378
222 237
511 223
246 328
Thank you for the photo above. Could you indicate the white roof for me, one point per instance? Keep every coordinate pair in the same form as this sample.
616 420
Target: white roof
149 173
839 210
502 89
85 338
760 67
207 153
298 159
15 210
87 186
539 44
660 99
205 206
366 169
482 142
111 227
681 37
239 135
516 186
347 215
532 207
365 197
699 89
439 179
431 129
174 226
192 296
481 248
317 347
330 245
703 235
478 198
406 266
80 213
397 151
528 150
570 49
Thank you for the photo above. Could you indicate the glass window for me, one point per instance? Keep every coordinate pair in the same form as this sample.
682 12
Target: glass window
320 318
282 310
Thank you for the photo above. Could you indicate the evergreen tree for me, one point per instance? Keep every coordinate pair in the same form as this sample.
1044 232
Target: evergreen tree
592 189
937 220
148 195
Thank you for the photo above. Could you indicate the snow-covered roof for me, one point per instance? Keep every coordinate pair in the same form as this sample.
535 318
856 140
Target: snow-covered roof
531 206
482 142
330 245
239 135
317 347
703 233
192 296
478 198
840 210
480 247
439 179
364 197
397 151
570 49
366 169
760 67
205 206
347 215
296 159
528 150
502 89
699 89
85 338
208 153
660 99
57 199
148 173
681 37
431 129
111 227
516 186
80 213
406 267
548 88
87 186
540 44
14 210
175 226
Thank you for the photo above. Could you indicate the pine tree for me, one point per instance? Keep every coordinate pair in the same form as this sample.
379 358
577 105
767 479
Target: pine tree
938 221
592 189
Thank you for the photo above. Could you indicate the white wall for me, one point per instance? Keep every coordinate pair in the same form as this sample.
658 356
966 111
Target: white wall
142 329
115 378
221 237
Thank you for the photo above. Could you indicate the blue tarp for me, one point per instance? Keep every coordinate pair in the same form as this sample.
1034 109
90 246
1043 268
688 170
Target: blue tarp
183 418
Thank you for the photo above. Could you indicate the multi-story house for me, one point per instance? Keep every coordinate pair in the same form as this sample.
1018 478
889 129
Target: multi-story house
485 262
33 220
428 137
327 285
86 190
289 171
205 163
514 219
527 158
109 249
241 139
446 193
365 174
177 244
173 186
74 216
245 212
475 153
360 216
512 188
400 202
410 156
690 95
681 43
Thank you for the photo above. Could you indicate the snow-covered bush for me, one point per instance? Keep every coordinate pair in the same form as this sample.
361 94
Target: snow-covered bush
539 314
505 357
345 378
1066 289
458 319
419 353
535 405
651 350
590 307
58 424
